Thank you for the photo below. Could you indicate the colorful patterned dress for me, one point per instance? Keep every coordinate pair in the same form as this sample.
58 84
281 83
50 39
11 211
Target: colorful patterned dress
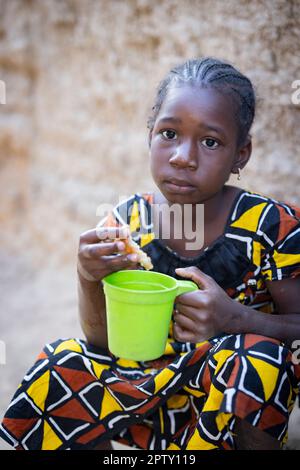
76 395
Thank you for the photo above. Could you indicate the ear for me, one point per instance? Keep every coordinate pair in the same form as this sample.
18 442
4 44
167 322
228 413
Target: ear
243 155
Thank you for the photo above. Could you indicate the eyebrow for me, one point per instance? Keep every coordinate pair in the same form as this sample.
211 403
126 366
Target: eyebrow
171 119
179 121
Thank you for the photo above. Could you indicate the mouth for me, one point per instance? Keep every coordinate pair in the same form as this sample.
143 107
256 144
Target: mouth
179 186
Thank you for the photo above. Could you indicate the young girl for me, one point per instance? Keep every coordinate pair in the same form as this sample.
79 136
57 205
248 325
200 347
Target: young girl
227 379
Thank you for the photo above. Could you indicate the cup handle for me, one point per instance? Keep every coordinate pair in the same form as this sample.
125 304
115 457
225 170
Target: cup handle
186 286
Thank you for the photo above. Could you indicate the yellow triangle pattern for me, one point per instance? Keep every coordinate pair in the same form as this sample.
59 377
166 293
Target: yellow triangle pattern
50 440
283 259
177 402
222 420
173 447
214 399
134 218
146 238
98 368
268 375
241 296
127 363
191 391
268 274
249 219
256 253
221 356
163 378
109 404
70 345
169 349
260 284
149 370
38 391
197 443
198 345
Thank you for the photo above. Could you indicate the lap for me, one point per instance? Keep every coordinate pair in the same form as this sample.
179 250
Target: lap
82 395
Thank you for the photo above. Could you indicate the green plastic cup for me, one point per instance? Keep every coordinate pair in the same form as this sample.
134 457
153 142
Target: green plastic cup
139 306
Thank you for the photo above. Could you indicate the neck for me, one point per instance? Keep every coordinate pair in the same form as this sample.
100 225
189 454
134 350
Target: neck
212 207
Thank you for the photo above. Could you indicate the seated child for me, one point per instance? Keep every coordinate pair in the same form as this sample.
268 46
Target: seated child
227 379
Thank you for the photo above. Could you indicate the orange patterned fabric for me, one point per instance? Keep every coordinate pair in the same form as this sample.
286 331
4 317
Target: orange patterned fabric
76 396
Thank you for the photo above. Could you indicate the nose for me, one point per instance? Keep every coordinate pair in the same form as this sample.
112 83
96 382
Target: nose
185 156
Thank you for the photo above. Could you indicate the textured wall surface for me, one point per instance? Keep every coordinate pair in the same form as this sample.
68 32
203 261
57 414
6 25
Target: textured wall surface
80 79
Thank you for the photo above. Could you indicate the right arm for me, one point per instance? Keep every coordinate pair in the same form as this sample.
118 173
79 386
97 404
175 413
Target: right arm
96 259
92 313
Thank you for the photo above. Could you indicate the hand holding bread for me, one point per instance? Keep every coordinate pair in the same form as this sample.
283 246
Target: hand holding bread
105 250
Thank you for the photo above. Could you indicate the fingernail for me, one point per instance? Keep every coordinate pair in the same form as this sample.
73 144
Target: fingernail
132 257
121 246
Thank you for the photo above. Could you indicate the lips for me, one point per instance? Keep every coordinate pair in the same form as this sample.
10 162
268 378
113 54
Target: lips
178 182
179 186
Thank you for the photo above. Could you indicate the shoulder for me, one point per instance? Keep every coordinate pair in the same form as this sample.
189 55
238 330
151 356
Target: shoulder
134 211
269 230
126 209
265 218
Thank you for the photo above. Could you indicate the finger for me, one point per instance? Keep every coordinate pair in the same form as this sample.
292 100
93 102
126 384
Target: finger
199 277
184 321
135 266
132 257
187 336
97 250
194 299
195 314
184 336
111 233
104 233
198 299
120 261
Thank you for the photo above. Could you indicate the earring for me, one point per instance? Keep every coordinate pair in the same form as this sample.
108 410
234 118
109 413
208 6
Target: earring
239 174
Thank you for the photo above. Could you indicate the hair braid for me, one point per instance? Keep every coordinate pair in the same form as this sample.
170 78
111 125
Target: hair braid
212 73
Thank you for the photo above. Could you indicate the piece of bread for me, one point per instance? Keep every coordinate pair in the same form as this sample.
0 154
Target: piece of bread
132 247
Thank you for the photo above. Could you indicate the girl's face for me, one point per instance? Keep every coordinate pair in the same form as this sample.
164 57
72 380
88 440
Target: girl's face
193 144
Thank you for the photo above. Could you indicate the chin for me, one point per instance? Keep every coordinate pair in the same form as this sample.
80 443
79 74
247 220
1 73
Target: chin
181 198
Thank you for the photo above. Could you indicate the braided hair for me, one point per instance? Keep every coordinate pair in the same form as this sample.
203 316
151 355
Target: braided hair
212 73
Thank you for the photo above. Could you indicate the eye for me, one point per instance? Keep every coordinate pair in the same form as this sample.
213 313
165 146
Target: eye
210 143
169 134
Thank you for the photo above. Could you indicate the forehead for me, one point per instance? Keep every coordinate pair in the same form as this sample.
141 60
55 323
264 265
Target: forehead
199 105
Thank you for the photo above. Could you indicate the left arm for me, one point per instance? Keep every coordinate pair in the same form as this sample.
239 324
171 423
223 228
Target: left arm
210 311
285 325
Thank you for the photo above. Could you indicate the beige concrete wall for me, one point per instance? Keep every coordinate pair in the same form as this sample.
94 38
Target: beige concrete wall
80 79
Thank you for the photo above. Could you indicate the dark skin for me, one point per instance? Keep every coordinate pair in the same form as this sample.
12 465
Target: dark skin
191 151
188 158
184 146
179 149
